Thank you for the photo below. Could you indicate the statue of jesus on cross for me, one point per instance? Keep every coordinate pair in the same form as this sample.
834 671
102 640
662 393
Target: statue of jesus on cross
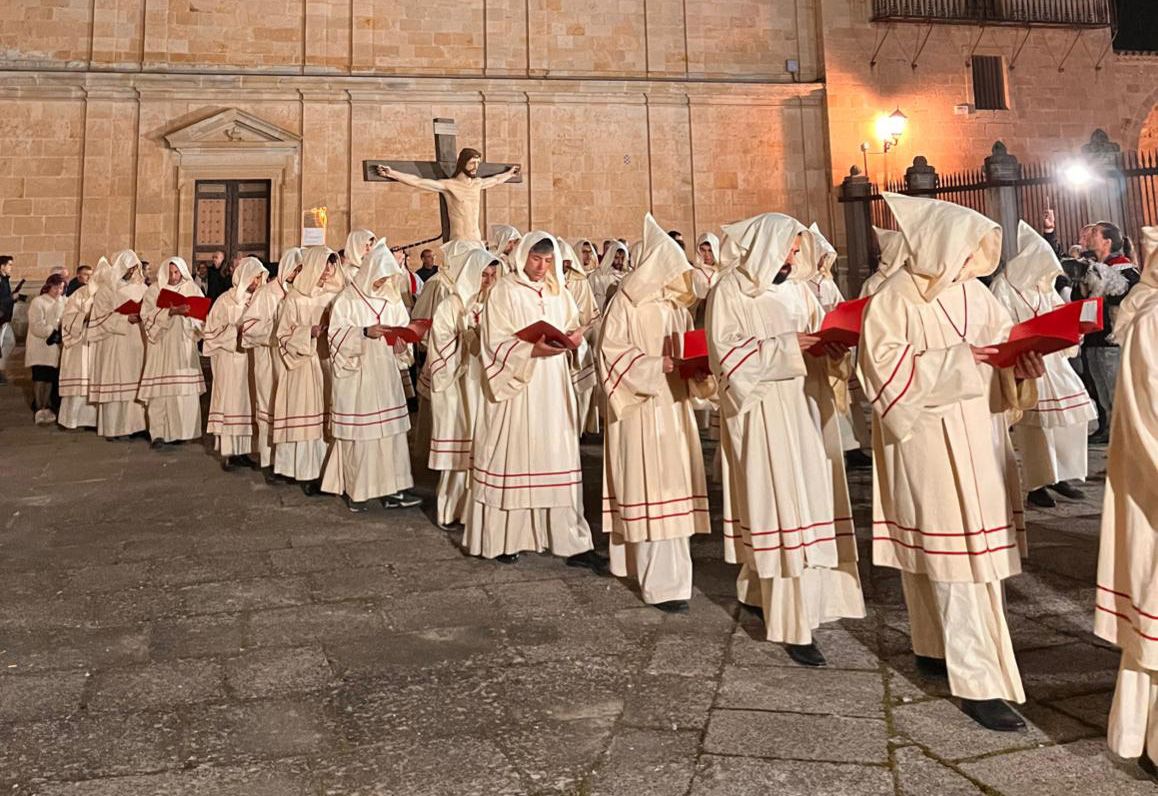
460 190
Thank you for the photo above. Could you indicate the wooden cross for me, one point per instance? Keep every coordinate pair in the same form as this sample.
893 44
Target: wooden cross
442 168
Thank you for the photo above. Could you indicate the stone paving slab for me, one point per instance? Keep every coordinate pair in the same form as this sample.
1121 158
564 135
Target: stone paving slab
262 643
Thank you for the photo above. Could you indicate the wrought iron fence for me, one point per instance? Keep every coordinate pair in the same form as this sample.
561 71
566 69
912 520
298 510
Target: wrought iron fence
1052 13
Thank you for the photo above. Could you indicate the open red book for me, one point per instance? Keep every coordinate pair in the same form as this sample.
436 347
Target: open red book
841 325
550 335
130 307
411 333
1054 331
690 351
198 305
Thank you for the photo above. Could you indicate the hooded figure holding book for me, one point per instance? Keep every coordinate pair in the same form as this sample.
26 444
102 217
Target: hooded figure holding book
527 486
118 348
655 494
945 491
797 552
1052 436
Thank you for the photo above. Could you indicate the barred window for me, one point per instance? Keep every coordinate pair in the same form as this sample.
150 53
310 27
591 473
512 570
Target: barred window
989 83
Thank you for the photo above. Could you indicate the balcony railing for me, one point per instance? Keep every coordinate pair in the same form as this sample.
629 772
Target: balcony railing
1034 13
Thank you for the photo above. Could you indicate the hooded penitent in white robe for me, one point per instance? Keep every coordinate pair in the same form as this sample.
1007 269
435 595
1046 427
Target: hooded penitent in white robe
76 411
606 278
358 244
706 274
592 265
894 254
798 556
172 381
527 485
300 401
1052 435
118 353
943 484
258 326
1127 598
231 402
369 419
579 286
434 292
655 494
456 382
501 236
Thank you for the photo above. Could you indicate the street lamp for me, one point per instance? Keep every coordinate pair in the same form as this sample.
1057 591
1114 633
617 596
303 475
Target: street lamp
889 130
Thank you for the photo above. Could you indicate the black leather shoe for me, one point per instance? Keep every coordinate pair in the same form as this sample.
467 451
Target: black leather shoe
590 560
1067 490
311 488
931 667
673 606
806 655
507 558
1040 498
156 443
993 714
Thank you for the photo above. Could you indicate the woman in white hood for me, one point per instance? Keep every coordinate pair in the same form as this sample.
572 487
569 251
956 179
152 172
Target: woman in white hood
300 403
455 376
172 382
1052 436
369 418
231 404
944 490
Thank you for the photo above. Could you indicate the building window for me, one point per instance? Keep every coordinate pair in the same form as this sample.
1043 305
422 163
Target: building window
989 83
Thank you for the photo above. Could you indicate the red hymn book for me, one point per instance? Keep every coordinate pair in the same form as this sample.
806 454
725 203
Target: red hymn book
841 325
1054 331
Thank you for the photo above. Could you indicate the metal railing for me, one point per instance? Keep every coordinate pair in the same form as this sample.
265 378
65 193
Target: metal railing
1046 13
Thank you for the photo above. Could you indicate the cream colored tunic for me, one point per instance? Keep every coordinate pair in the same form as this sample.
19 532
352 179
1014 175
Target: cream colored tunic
526 480
300 402
118 359
1127 598
258 324
584 379
172 381
939 420
231 403
369 418
654 487
76 361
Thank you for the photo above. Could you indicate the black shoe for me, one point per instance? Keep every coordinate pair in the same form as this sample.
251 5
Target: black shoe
806 655
357 506
1147 765
857 460
312 488
402 500
592 561
156 443
231 463
1040 498
931 667
507 558
673 606
1068 490
993 714
755 610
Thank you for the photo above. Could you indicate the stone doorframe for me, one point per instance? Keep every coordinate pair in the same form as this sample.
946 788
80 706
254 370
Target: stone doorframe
235 145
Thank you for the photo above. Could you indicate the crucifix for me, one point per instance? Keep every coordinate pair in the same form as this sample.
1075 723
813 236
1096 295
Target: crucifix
459 178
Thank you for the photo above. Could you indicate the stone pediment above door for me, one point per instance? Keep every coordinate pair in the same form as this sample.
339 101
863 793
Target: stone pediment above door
232 131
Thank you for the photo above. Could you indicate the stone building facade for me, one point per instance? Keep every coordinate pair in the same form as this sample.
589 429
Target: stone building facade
112 112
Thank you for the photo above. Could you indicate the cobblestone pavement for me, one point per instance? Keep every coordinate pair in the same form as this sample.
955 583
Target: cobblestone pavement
167 628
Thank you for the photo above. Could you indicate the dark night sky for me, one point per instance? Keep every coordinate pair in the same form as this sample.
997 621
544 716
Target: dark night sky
1137 25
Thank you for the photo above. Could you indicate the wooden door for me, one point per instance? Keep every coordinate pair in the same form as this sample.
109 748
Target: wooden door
231 216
